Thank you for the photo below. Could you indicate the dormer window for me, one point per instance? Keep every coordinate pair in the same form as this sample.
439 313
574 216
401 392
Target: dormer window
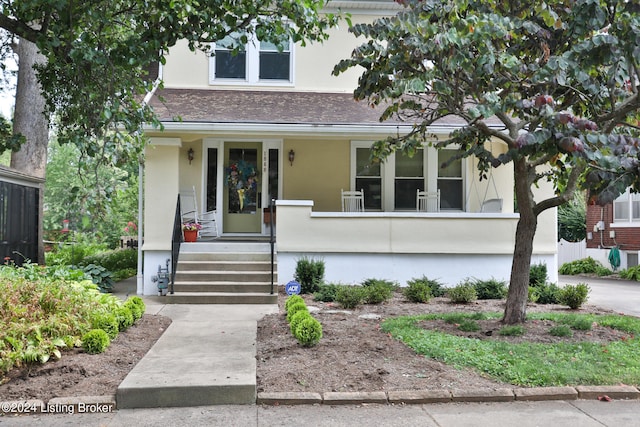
256 62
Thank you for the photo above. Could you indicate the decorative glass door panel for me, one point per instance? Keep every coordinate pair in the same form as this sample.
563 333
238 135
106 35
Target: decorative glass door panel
242 192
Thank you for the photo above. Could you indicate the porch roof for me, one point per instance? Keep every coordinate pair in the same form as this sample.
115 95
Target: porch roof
271 107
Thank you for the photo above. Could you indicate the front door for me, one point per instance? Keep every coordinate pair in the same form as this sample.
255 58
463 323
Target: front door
242 187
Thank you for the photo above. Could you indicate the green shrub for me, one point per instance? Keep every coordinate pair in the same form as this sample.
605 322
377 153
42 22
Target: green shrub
632 273
120 275
349 296
417 291
72 254
538 274
292 300
296 319
114 260
464 293
490 289
308 332
136 309
533 294
603 271
378 292
95 341
469 326
512 331
124 317
388 283
100 276
547 293
574 296
580 266
309 273
294 308
561 331
107 322
436 287
326 292
579 323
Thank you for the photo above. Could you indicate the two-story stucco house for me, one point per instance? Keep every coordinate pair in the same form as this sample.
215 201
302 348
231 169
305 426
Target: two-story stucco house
293 133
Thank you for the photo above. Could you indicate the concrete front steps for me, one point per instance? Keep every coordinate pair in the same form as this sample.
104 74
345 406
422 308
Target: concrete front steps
224 273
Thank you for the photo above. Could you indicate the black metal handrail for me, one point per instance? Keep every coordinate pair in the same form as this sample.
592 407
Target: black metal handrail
176 240
272 240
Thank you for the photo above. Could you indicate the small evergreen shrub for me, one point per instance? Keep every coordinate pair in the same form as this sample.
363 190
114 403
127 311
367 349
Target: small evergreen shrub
512 331
380 282
417 291
350 296
547 293
292 300
561 331
464 293
309 273
107 322
308 332
137 310
469 326
294 308
490 289
296 319
95 341
580 266
124 317
326 292
538 274
574 296
436 287
378 292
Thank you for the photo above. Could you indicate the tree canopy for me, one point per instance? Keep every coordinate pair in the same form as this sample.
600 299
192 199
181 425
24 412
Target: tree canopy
556 81
99 54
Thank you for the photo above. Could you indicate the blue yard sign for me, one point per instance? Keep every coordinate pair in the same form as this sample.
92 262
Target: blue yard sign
292 288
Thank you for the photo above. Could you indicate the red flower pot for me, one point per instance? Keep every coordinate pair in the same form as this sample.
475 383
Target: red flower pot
190 235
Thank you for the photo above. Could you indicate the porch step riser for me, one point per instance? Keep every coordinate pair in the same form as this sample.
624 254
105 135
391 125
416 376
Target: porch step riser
225 288
201 298
221 276
225 256
224 266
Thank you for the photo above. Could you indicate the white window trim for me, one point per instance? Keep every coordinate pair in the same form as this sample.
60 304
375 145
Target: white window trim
252 49
387 174
628 223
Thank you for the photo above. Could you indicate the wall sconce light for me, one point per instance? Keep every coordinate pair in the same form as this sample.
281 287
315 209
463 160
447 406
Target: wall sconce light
292 156
190 155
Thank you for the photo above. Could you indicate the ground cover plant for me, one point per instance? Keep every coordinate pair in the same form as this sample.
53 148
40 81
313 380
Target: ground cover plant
49 310
529 364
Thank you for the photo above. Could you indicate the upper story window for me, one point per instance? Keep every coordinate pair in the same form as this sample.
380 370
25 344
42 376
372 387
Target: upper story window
256 63
626 208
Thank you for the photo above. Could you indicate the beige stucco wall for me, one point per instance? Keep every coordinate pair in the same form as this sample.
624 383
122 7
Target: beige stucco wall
321 169
161 191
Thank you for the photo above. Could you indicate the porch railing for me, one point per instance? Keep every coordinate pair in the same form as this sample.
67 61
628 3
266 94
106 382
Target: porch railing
176 240
272 240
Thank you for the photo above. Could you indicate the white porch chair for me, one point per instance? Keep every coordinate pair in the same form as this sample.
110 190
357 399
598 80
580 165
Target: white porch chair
492 206
189 213
352 201
428 201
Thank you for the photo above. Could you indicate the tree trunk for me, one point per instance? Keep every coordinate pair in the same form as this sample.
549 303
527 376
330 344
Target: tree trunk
516 307
30 120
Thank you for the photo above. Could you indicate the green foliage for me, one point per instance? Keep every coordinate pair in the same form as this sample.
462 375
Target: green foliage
107 322
100 276
308 332
547 293
137 309
417 291
490 289
580 266
538 274
326 292
95 341
436 287
511 331
572 219
124 317
578 322
113 260
532 296
296 319
469 326
603 271
463 293
561 331
292 299
72 254
530 364
309 273
632 273
574 295
350 296
378 291
294 308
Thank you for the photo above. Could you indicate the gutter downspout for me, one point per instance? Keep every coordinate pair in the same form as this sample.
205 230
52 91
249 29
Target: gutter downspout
140 273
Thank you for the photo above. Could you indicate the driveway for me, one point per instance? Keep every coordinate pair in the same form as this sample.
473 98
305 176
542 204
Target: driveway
620 295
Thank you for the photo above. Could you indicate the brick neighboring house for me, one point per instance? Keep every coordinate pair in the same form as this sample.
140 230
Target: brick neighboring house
615 224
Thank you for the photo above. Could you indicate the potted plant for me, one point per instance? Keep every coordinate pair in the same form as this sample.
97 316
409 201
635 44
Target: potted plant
190 231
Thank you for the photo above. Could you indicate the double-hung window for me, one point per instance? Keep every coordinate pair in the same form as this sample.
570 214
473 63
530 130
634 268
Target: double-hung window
626 208
254 63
